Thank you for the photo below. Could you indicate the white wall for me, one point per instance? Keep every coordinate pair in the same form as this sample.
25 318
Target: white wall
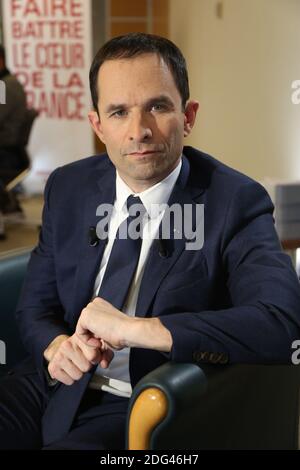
241 70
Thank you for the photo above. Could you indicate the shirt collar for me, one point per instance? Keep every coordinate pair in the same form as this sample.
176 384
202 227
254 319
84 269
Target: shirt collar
152 197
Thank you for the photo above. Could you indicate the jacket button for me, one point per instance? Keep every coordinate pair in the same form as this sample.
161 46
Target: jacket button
201 356
214 358
223 359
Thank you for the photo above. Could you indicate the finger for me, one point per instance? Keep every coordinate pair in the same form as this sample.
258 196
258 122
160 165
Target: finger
92 355
86 336
107 354
71 369
59 374
81 327
92 343
107 357
72 354
63 377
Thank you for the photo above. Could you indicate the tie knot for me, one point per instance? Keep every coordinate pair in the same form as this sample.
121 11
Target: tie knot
135 206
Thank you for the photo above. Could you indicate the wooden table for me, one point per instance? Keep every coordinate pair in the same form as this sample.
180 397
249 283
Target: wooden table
290 244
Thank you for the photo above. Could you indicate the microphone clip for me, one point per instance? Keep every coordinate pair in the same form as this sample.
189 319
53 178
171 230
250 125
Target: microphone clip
93 237
162 249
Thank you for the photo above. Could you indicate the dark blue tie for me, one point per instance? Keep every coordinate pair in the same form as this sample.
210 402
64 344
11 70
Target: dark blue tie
124 255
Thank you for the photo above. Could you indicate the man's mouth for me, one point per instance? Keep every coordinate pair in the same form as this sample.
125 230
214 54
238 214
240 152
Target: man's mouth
146 152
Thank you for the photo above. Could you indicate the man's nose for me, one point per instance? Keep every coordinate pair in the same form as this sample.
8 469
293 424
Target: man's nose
139 128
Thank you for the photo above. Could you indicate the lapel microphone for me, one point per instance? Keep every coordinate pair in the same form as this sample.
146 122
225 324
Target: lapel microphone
93 238
162 249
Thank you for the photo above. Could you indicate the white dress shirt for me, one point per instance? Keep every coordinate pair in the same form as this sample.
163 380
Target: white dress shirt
115 379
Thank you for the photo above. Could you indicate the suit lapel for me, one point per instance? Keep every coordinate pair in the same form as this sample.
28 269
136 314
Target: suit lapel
100 191
64 403
157 267
62 407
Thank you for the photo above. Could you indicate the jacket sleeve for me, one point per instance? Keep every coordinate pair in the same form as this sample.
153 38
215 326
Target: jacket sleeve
12 113
40 315
263 318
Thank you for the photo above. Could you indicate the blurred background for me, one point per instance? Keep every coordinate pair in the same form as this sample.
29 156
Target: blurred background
243 62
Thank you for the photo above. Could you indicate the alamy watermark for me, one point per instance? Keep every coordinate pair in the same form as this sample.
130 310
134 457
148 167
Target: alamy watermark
2 352
295 97
178 222
2 92
296 354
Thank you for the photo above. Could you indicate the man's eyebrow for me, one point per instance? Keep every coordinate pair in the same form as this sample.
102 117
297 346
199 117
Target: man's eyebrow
113 107
163 99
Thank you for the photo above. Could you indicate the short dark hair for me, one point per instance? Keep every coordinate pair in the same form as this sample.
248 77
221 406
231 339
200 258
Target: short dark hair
135 44
2 53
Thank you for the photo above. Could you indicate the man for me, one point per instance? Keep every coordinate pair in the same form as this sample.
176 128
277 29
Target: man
98 312
12 118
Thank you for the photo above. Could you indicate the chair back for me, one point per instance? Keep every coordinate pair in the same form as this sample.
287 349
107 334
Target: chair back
13 267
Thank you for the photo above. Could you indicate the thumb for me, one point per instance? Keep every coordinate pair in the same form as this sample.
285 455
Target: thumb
87 337
106 359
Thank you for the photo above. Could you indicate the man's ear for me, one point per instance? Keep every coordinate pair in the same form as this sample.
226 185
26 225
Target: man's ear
190 113
95 122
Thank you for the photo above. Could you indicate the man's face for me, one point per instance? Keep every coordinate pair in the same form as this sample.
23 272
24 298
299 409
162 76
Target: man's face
141 119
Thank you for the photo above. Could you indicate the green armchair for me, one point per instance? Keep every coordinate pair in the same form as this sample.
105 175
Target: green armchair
184 406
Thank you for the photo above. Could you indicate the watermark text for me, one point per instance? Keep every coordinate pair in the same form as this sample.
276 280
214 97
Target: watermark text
2 352
295 97
2 92
177 222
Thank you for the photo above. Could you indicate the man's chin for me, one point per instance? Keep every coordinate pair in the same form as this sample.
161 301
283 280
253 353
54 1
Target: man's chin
150 173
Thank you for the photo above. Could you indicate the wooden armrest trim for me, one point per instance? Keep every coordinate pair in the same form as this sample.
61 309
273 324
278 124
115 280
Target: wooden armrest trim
149 409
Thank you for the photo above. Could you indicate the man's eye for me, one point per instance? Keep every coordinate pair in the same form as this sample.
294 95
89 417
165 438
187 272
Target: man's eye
119 113
158 107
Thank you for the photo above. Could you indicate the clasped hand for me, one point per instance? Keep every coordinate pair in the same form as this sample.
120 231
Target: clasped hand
98 332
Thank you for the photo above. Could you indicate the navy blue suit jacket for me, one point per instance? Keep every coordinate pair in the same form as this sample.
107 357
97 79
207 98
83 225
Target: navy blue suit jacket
235 300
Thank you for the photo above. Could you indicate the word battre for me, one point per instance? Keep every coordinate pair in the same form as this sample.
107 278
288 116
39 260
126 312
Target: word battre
54 29
295 98
2 92
151 459
177 222
2 352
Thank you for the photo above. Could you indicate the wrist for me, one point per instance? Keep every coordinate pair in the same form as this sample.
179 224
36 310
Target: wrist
148 333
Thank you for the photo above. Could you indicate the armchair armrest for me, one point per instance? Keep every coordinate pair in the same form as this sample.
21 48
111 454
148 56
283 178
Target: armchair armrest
185 406
13 267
